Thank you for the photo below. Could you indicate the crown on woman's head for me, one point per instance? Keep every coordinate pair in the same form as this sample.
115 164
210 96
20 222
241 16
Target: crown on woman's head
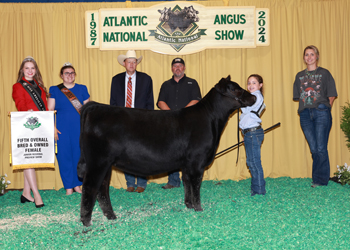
28 58
67 64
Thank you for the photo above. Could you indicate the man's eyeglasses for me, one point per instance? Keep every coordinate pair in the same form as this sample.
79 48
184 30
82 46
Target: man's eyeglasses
69 73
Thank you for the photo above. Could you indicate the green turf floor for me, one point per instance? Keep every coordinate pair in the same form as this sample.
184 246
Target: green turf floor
292 215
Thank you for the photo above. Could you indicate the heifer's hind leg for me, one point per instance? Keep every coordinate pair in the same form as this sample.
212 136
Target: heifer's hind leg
104 198
93 179
88 199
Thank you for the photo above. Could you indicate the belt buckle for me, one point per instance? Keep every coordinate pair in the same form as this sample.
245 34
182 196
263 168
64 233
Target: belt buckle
250 129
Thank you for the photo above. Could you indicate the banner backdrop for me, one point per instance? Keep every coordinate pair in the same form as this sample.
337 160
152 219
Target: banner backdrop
177 28
54 33
32 139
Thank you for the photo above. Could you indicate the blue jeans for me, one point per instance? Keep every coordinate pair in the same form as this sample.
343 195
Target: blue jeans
252 144
130 181
174 179
316 124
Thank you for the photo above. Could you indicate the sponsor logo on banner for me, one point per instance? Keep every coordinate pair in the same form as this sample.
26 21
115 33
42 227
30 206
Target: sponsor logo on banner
32 123
177 28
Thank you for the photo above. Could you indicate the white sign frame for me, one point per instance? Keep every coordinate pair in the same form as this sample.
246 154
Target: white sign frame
202 28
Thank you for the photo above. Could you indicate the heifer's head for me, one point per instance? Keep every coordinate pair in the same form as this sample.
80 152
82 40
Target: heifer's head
232 90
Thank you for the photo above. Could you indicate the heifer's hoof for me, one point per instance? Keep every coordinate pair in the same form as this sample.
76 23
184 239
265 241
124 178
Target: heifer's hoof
111 216
189 205
86 223
198 209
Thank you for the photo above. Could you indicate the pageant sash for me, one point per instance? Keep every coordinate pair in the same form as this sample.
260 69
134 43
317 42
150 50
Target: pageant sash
71 97
32 139
33 94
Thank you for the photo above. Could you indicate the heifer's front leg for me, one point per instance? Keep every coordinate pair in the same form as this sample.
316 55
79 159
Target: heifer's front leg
104 198
195 183
188 188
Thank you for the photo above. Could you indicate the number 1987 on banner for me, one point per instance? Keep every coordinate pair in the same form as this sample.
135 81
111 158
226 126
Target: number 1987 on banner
92 39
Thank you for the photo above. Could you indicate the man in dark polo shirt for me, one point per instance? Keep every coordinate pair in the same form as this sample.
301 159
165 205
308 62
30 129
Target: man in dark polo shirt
178 92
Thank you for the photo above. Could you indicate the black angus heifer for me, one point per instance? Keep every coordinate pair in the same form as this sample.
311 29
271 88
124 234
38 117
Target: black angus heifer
149 142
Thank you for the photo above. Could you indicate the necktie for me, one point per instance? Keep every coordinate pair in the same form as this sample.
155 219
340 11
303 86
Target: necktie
129 94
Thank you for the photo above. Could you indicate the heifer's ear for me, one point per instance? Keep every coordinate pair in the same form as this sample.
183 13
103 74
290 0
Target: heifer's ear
233 86
228 78
221 86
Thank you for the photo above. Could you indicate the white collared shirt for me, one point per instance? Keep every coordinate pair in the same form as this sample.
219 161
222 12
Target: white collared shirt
249 119
133 81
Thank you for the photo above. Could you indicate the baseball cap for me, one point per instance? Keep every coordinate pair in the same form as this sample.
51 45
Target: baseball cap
177 60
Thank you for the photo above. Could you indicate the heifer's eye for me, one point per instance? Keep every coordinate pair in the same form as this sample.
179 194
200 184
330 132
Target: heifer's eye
231 87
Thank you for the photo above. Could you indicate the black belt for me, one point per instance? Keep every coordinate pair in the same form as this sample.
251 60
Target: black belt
244 131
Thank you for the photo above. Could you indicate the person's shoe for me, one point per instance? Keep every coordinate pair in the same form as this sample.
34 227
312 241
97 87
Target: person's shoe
39 206
253 194
24 199
130 189
315 185
168 186
139 189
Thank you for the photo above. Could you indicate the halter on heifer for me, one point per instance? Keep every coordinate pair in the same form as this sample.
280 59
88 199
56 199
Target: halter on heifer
239 99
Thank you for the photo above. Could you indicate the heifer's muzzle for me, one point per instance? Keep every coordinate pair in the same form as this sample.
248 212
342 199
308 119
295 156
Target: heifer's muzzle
247 99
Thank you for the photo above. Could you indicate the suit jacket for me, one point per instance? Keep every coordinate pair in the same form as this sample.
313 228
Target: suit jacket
143 95
23 100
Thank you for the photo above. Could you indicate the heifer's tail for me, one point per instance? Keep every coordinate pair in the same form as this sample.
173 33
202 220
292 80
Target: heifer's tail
81 168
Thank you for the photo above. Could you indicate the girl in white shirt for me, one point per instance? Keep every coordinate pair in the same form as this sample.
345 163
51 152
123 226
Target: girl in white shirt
250 125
